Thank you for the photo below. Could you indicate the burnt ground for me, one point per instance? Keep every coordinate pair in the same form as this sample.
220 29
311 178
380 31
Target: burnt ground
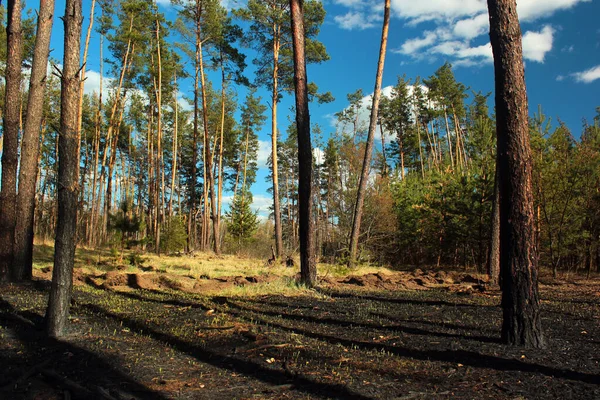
433 336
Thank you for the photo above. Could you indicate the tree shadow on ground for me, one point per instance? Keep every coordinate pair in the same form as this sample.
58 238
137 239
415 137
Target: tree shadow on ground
464 357
368 296
246 367
360 324
66 359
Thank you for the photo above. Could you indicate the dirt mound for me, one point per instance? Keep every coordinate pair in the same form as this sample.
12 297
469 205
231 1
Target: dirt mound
373 280
114 278
134 281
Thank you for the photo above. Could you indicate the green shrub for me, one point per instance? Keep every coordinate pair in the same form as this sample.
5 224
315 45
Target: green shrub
174 237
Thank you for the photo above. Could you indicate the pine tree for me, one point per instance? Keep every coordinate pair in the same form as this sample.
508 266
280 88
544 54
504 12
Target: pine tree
518 257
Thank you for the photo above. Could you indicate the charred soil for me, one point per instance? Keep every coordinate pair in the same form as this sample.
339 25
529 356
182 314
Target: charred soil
421 335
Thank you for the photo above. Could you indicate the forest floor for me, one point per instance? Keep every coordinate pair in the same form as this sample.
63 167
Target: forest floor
177 332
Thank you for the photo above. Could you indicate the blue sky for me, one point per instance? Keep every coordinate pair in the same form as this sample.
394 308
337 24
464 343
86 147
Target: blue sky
561 47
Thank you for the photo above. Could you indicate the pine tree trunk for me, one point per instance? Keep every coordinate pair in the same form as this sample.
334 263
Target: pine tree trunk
222 133
97 131
159 152
68 168
360 198
518 258
23 244
174 151
209 181
493 269
10 137
275 100
308 264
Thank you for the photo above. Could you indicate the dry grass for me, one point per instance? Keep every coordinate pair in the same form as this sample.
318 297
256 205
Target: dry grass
202 265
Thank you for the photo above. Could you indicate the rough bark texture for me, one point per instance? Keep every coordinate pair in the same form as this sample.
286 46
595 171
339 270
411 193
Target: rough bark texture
360 197
308 265
23 245
518 258
68 171
10 146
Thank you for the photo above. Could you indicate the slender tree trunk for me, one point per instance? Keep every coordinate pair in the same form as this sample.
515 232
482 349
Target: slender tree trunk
360 198
518 258
275 100
68 169
174 152
192 211
385 164
10 137
448 137
222 132
97 132
23 244
308 264
209 178
159 156
420 148
493 269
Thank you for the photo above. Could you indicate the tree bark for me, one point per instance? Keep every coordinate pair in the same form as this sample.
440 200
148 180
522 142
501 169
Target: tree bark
68 169
23 244
308 264
275 100
360 197
12 101
518 258
494 256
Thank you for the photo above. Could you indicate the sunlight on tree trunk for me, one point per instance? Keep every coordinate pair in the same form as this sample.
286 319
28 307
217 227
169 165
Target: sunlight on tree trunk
366 167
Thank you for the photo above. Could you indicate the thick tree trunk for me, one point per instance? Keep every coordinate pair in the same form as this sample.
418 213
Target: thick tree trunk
23 244
68 170
360 198
308 264
10 137
518 257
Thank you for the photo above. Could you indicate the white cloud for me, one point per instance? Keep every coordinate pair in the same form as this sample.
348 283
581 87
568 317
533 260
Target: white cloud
354 20
261 204
537 44
92 83
264 152
472 27
318 155
533 9
456 24
411 46
587 76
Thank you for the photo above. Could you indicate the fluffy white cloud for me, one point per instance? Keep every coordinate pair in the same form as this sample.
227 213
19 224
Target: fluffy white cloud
537 44
261 204
413 45
472 27
587 76
354 20
92 83
457 23
264 152
533 9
